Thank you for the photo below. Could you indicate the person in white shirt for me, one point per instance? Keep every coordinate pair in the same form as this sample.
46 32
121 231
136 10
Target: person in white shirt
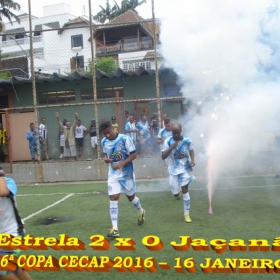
178 149
80 132
43 133
131 130
61 139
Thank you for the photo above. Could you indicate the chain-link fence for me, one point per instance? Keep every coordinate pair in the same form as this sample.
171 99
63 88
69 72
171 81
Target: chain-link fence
47 67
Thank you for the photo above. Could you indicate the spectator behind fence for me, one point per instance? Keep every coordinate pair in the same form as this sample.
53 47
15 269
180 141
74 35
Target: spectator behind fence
154 128
61 139
31 136
164 117
103 119
144 132
80 132
126 116
69 137
93 136
131 130
10 223
3 143
115 125
43 133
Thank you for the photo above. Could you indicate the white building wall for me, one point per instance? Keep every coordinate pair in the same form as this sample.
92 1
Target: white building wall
58 51
56 48
56 9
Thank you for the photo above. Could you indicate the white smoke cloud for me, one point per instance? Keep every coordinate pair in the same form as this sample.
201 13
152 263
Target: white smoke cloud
226 55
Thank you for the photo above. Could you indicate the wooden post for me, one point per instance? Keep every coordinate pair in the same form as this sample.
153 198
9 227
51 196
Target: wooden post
8 143
119 121
138 37
104 41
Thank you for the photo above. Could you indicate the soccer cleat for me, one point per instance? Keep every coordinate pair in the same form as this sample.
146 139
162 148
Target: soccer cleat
113 233
179 194
187 218
141 218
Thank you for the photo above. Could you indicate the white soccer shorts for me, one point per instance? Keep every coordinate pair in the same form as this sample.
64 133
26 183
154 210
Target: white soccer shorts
115 186
178 181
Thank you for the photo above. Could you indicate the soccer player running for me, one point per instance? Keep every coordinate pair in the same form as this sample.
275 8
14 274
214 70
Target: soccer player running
165 131
177 150
119 153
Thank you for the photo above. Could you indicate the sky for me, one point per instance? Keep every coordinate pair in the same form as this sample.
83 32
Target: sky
77 6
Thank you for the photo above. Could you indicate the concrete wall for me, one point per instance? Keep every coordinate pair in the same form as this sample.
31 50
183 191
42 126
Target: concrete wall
82 171
60 171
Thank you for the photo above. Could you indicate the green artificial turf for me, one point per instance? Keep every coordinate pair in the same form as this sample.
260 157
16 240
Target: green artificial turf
243 208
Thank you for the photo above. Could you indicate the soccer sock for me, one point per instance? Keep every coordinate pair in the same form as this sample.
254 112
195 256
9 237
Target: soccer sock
114 209
137 204
187 202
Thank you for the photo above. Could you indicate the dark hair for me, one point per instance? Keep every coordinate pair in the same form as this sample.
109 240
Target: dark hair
126 112
131 115
105 125
143 116
78 120
42 119
166 121
31 123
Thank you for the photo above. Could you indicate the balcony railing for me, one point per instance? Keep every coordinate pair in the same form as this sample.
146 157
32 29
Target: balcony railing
125 47
21 41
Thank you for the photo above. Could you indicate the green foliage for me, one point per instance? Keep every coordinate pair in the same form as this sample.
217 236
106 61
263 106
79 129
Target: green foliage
110 12
6 55
105 64
5 75
106 13
5 12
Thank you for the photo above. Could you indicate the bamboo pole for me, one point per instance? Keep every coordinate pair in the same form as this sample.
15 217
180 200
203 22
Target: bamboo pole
156 65
34 93
94 79
175 98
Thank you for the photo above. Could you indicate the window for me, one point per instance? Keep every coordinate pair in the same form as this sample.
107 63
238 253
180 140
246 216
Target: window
4 101
19 36
125 67
37 33
135 64
56 97
130 43
4 38
79 62
77 41
146 42
102 93
170 90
